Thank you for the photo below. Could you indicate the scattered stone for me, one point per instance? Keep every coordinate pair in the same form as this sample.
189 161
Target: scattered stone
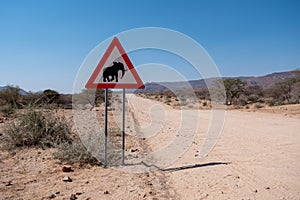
78 193
1 120
237 177
267 188
67 168
106 192
52 196
73 197
134 150
87 182
9 183
20 189
255 191
39 152
145 195
67 179
57 192
196 155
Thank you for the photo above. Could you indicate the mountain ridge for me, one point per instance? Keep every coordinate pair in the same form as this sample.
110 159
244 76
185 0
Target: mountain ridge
22 92
265 81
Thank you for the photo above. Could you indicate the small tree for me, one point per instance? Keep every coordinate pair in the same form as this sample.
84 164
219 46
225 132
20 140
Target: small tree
295 89
50 96
282 90
254 90
10 95
233 87
32 99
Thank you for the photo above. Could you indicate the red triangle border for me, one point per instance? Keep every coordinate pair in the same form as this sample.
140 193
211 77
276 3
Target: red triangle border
115 43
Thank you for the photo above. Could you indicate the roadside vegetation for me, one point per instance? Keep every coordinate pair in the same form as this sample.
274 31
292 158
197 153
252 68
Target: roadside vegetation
31 121
238 94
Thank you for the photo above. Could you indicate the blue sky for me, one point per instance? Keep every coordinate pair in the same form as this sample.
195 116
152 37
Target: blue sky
43 43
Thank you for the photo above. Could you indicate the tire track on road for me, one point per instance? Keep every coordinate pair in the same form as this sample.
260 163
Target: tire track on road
156 180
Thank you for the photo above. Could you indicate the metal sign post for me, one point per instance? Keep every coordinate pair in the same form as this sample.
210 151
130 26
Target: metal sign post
105 128
114 60
123 127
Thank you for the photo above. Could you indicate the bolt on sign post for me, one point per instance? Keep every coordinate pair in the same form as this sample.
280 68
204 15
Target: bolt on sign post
114 71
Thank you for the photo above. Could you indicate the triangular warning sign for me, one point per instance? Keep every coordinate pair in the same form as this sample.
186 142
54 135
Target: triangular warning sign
115 70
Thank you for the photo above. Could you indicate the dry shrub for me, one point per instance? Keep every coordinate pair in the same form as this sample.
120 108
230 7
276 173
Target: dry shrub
38 129
75 153
258 105
7 110
35 129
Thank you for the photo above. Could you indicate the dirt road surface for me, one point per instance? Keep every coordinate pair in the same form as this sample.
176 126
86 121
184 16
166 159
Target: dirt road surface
256 157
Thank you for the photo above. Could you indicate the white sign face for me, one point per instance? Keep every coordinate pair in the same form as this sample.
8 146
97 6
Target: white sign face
115 70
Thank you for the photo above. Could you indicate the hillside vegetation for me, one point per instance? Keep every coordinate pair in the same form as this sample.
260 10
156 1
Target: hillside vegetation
239 93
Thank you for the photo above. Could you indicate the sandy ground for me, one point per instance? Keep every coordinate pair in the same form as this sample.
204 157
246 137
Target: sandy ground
257 157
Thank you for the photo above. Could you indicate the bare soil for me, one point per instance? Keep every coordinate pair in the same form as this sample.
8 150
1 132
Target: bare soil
256 157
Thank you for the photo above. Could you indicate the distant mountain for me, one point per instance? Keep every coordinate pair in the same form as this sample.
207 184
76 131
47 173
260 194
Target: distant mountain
265 81
269 80
22 92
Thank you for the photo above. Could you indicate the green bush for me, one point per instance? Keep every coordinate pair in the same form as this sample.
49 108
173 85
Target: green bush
35 129
253 98
50 96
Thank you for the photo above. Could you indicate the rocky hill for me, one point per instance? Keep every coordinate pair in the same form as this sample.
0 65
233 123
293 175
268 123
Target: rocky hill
265 81
22 92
